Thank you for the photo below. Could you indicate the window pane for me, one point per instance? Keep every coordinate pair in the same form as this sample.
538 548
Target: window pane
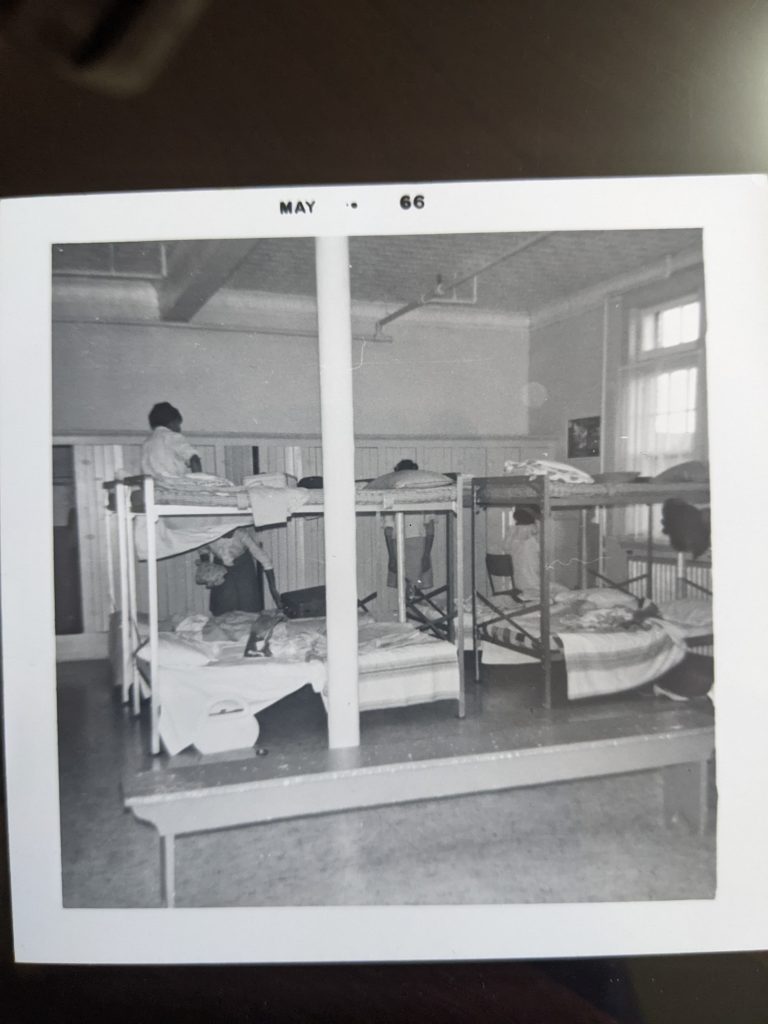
660 419
662 392
677 422
648 332
678 389
692 389
670 327
667 328
691 322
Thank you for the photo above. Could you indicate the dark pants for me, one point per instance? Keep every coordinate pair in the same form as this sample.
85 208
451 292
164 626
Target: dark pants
240 591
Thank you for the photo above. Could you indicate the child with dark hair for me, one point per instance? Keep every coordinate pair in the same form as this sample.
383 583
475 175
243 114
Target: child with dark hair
228 566
687 526
522 544
166 452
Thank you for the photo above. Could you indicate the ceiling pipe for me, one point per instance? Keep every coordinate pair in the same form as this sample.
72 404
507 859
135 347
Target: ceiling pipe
441 288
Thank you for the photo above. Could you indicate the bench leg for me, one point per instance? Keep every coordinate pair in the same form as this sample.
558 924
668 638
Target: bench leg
686 794
168 870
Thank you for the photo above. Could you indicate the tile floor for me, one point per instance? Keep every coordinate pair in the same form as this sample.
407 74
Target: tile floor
593 840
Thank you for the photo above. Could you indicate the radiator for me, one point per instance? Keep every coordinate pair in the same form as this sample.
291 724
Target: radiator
664 578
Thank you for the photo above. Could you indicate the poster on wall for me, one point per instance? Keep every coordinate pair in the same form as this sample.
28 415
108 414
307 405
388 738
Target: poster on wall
342 333
584 437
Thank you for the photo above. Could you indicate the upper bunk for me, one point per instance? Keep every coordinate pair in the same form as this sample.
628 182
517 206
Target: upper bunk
195 497
507 491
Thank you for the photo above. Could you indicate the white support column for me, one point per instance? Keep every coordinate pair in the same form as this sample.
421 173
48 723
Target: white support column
334 322
400 549
382 566
125 611
133 609
154 672
458 590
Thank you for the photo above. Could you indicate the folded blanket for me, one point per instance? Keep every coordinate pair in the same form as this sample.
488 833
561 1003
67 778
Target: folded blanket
272 505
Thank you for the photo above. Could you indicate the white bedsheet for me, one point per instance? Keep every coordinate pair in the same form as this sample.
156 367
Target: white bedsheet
222 698
176 534
269 506
211 706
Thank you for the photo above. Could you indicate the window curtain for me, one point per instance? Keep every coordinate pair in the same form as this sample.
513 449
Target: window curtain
659 426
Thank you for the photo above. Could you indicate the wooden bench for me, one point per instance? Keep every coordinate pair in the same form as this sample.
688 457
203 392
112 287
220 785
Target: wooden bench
679 739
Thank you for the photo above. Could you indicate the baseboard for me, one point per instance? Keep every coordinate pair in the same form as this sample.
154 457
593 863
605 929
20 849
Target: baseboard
82 647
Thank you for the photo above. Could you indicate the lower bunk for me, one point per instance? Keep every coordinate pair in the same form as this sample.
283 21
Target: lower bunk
216 674
602 641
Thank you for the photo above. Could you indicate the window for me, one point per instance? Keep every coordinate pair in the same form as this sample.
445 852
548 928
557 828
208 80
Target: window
663 414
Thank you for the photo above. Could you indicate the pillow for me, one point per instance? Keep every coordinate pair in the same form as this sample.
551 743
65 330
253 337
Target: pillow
173 652
598 597
408 478
687 611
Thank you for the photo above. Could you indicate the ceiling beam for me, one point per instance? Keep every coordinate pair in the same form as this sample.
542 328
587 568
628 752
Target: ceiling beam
196 271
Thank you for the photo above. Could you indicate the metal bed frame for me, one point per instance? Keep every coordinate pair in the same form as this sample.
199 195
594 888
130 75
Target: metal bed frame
121 492
549 497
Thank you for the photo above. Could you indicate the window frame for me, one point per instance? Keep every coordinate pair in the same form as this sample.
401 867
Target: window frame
637 314
635 364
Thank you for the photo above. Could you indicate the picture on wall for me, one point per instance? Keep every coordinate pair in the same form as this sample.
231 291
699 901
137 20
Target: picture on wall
584 437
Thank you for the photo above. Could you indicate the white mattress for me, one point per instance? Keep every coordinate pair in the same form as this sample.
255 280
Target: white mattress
413 673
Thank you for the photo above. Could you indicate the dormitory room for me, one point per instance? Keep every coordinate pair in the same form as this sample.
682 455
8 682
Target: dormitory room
494 684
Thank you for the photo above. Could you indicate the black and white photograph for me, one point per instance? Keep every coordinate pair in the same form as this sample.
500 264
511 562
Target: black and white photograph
186 375
343 619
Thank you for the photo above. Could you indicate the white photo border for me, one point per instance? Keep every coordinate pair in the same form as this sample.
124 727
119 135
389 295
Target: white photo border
732 213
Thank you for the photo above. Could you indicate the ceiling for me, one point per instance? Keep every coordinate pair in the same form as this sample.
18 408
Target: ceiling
396 269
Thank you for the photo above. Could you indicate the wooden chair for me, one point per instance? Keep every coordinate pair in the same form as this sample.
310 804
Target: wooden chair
500 567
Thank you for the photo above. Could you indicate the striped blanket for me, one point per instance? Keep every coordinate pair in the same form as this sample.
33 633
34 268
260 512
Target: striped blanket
610 659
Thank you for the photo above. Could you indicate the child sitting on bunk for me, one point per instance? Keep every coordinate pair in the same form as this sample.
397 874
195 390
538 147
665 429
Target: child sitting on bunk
522 544
166 452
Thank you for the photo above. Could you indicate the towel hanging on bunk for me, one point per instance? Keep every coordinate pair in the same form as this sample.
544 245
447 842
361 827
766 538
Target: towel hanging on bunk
273 505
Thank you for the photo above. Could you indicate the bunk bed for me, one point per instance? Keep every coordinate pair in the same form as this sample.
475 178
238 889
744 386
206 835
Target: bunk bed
398 664
623 641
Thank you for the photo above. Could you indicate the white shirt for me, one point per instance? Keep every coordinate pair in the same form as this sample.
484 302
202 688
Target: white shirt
166 453
522 543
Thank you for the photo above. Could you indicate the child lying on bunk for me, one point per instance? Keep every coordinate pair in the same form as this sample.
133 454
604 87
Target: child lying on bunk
166 452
